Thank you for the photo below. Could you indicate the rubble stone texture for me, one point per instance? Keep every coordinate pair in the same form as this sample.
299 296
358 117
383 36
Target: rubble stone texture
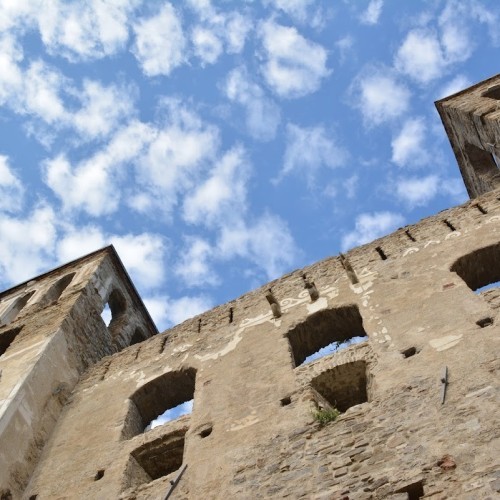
418 395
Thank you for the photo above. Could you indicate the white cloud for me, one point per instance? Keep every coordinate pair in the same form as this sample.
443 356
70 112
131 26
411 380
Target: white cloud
267 243
372 13
94 184
308 149
299 10
194 266
262 114
236 28
369 226
379 96
344 46
27 244
11 189
102 109
167 312
408 147
83 31
176 158
420 56
294 66
222 195
417 191
160 43
11 78
207 45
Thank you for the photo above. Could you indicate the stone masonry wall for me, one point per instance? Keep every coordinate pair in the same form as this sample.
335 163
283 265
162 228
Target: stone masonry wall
252 432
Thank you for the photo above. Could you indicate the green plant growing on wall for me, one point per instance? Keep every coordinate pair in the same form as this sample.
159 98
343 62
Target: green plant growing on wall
325 415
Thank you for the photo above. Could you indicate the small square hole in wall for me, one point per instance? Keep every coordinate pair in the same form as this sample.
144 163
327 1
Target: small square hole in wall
286 401
161 456
483 322
99 475
343 386
409 352
415 491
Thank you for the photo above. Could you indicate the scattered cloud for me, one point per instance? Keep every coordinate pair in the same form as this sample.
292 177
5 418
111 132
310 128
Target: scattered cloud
167 312
195 264
310 149
372 13
293 66
344 46
262 114
417 191
207 45
408 147
378 95
160 42
11 189
267 243
222 196
23 257
303 11
458 83
369 226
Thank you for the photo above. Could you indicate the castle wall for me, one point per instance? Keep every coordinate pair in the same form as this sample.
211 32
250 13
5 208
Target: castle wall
252 432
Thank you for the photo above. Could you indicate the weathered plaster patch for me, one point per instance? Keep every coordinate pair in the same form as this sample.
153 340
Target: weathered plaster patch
244 422
321 303
446 342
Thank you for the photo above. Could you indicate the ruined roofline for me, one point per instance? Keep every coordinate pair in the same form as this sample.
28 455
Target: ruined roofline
440 102
109 251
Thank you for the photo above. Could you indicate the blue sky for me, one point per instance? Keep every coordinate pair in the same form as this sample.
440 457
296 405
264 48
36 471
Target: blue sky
218 145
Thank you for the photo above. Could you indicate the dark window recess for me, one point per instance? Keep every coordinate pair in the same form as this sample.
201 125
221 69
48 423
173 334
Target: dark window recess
414 490
286 401
381 253
484 165
162 456
137 337
157 397
206 432
99 475
16 308
479 268
343 386
6 338
56 290
493 92
332 328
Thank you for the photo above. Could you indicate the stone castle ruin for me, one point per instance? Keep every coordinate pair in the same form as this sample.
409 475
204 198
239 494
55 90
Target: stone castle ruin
408 411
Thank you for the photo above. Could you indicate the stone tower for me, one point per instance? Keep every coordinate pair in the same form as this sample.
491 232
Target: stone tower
51 333
364 376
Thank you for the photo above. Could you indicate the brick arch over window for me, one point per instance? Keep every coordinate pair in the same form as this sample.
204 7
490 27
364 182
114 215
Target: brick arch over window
480 267
157 396
324 327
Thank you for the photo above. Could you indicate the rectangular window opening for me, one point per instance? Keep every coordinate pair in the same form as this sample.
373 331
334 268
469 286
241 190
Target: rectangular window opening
6 338
326 332
415 490
159 457
343 386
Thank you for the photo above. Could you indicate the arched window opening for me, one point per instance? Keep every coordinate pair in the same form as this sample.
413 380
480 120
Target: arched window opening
157 458
481 272
113 313
485 167
342 386
6 339
138 336
493 92
160 400
16 308
56 290
325 332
